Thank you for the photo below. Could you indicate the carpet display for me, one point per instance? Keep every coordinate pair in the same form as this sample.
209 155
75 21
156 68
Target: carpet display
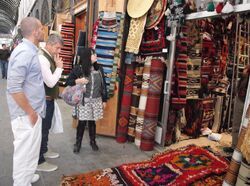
136 30
117 54
66 53
137 83
179 86
143 100
108 45
194 114
193 72
153 41
122 127
153 104
184 166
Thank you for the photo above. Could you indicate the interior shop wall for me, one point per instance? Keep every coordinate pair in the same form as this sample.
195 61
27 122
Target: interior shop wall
80 24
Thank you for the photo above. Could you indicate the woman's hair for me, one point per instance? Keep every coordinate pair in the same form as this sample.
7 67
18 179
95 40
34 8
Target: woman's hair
85 60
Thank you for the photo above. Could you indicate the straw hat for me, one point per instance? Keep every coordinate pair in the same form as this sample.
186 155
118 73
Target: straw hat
137 8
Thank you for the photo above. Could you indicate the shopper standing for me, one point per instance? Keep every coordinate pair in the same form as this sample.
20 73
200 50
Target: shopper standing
4 57
26 102
89 73
52 67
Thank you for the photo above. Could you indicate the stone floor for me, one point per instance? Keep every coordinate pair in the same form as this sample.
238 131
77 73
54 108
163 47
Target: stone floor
110 154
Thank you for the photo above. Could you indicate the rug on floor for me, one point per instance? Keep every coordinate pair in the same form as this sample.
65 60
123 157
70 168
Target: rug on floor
183 166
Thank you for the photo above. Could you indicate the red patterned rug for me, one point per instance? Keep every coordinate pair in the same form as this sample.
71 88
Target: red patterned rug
189 165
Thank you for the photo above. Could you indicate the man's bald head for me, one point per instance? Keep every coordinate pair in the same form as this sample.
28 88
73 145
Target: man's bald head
29 25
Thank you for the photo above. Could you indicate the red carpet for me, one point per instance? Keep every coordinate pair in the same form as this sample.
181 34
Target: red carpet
122 126
189 165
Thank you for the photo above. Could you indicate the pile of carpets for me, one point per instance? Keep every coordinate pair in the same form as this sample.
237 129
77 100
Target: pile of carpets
190 165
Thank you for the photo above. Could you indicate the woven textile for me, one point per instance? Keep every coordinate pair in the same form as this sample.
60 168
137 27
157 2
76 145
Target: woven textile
153 104
109 23
245 147
105 46
136 30
194 116
117 55
208 64
66 53
213 180
143 101
208 105
179 86
244 173
153 41
193 72
94 34
183 166
122 126
137 83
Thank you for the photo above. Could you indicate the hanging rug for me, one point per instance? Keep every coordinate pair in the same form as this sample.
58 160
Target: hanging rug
183 166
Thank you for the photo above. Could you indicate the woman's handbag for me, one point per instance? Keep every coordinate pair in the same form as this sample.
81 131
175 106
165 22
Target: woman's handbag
73 95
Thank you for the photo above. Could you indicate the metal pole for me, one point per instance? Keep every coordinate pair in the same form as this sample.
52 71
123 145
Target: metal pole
167 84
233 76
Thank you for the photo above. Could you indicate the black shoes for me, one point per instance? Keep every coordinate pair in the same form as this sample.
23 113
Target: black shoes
94 146
77 148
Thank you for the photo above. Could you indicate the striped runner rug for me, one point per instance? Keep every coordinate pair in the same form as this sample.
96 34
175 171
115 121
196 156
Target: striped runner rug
137 83
122 125
153 104
143 101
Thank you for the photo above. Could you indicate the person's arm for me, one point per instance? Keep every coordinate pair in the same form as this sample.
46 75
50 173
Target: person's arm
74 77
104 87
50 79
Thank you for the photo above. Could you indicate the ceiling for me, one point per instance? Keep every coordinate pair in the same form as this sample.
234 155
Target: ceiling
8 15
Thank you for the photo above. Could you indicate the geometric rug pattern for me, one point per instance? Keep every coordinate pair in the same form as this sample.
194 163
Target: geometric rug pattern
190 165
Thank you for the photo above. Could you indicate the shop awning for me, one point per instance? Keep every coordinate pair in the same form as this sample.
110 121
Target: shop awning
8 15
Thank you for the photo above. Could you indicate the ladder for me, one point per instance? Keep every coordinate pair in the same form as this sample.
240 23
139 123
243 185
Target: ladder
241 59
168 82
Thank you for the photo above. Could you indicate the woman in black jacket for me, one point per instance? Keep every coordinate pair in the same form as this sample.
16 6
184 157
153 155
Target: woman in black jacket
89 73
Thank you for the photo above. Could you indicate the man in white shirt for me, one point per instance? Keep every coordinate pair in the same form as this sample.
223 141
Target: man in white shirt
52 67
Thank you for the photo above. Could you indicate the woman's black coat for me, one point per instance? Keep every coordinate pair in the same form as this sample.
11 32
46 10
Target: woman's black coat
77 73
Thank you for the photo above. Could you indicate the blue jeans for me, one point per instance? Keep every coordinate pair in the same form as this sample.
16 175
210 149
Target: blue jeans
46 125
3 68
6 69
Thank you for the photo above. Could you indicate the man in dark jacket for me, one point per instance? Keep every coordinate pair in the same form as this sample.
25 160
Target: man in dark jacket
4 56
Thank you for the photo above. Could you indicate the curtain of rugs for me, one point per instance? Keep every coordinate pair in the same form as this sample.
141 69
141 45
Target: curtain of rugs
200 82
200 78
142 90
67 51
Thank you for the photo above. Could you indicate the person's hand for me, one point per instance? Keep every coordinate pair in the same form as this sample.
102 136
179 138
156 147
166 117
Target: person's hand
104 104
59 61
81 81
33 118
